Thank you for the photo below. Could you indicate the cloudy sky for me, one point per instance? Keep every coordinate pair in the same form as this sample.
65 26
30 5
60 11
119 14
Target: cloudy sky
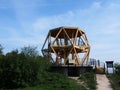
27 22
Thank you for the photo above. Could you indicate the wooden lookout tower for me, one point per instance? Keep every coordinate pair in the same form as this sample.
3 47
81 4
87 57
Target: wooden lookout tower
66 45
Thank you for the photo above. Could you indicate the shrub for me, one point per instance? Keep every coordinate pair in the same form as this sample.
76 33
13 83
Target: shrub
17 70
117 68
88 78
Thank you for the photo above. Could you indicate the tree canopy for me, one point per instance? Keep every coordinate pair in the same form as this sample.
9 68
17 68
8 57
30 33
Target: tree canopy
30 51
1 48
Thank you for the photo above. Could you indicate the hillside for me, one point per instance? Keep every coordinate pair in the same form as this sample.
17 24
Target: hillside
26 70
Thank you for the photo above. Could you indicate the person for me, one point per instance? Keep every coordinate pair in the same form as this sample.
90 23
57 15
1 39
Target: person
58 58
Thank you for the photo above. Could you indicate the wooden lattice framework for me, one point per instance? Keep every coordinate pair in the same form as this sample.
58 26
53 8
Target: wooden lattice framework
66 45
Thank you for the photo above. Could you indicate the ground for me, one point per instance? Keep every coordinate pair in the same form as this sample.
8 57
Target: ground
102 82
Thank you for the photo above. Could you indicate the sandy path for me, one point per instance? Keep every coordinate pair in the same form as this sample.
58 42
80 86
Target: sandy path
103 82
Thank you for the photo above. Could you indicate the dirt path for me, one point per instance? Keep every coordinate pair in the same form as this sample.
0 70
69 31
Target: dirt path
103 82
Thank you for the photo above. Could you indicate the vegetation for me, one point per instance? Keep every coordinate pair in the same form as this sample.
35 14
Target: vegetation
17 70
27 70
29 51
89 80
1 48
117 68
115 78
56 81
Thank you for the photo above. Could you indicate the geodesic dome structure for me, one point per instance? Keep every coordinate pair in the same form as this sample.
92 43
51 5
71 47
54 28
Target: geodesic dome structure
66 45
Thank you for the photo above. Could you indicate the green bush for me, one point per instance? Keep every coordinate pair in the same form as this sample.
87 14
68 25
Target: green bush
88 78
115 81
17 70
117 68
115 77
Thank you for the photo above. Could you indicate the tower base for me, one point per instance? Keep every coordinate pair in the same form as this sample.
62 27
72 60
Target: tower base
71 70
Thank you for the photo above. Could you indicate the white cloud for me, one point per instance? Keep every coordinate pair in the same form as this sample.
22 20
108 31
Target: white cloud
96 5
8 32
101 22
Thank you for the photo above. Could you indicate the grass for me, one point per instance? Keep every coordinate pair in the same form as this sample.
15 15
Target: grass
55 81
89 80
115 81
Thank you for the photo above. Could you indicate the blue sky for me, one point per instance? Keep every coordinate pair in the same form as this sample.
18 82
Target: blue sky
27 22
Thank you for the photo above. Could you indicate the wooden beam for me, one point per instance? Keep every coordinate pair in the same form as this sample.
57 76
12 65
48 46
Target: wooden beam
68 55
45 41
57 35
75 38
54 52
77 57
84 37
88 56
84 58
67 36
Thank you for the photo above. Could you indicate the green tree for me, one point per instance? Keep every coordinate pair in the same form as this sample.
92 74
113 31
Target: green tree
1 48
30 51
17 70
